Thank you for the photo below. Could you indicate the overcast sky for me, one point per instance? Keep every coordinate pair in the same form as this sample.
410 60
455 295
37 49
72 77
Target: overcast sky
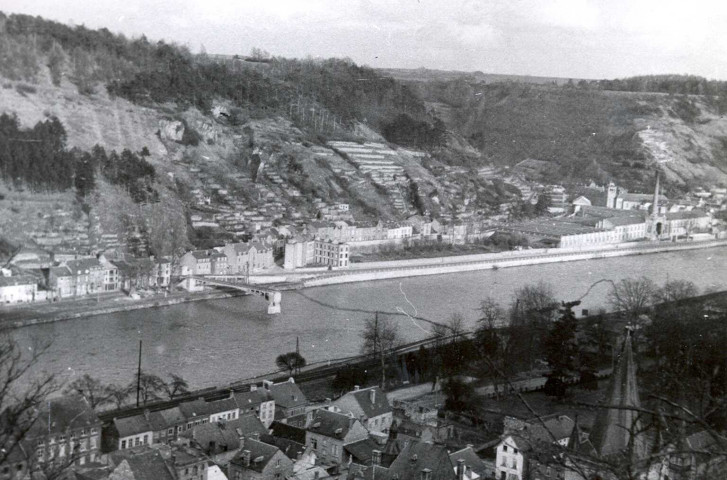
564 38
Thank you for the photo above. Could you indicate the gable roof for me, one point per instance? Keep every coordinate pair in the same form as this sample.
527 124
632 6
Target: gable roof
61 271
63 413
83 264
287 395
17 280
362 451
331 424
252 398
260 454
139 464
127 426
371 401
289 432
418 456
471 460
225 434
290 448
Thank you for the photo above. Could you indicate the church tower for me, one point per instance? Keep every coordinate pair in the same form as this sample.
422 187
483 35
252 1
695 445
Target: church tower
618 430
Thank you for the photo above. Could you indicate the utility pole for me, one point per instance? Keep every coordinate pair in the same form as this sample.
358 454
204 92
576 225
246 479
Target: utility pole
138 376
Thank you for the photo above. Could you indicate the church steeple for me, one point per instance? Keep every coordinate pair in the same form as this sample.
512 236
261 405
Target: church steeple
617 430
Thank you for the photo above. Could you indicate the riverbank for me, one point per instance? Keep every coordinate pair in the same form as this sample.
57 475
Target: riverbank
36 314
469 263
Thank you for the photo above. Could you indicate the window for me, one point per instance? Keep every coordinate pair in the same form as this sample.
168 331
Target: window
170 431
504 448
314 444
123 444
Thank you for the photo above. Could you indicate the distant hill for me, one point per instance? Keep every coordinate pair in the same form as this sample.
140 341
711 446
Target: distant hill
430 75
588 130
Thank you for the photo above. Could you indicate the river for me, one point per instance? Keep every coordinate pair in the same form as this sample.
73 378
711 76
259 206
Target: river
217 342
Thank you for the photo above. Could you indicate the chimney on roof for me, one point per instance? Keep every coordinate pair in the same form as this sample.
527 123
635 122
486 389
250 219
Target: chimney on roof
267 384
355 388
376 457
372 394
246 458
146 414
426 474
253 387
460 469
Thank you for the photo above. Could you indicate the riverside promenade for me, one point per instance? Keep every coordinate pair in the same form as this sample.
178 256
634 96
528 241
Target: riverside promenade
361 272
15 316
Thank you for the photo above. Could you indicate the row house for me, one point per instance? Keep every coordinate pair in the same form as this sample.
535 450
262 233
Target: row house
81 277
165 426
222 441
18 289
398 231
248 257
258 402
197 262
66 431
89 275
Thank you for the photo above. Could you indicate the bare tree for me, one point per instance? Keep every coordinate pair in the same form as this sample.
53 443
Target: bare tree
455 326
492 314
176 386
675 290
23 394
532 310
632 296
95 392
118 394
380 336
150 387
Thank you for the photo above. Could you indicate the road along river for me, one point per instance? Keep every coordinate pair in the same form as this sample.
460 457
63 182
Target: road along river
219 341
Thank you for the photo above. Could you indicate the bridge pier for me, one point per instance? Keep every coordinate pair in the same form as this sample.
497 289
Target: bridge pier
274 299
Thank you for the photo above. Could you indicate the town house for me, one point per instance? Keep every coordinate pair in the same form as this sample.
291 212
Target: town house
89 275
260 461
67 429
289 399
257 401
370 406
328 432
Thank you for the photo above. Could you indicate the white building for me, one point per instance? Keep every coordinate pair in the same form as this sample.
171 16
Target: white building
18 289
299 253
330 253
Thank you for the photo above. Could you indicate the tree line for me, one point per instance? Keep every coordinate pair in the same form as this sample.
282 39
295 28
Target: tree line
142 71
37 159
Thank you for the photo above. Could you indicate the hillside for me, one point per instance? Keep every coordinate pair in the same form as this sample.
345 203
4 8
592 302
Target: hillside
232 145
586 132
108 141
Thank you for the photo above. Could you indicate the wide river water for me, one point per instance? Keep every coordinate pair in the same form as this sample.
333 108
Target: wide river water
217 342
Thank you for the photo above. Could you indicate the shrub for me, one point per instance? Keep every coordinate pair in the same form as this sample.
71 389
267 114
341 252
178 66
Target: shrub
23 88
